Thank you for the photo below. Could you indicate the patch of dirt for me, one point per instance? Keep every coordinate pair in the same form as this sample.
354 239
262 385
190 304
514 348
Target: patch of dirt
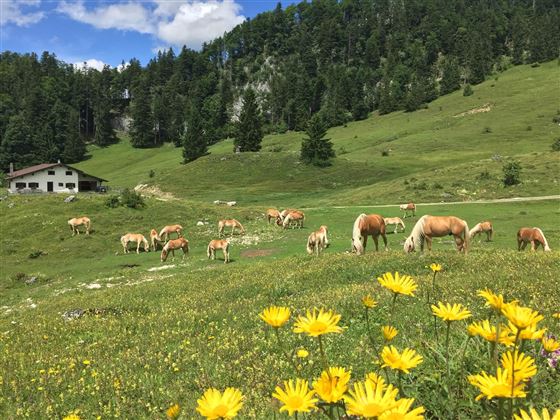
252 253
483 108
154 191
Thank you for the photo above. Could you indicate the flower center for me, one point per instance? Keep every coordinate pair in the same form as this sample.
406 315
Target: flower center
373 410
295 402
317 326
221 410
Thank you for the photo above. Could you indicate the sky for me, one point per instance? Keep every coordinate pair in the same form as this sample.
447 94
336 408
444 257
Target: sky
110 32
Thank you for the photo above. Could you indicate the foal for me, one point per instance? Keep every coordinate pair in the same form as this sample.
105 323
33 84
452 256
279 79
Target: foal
317 241
482 227
155 239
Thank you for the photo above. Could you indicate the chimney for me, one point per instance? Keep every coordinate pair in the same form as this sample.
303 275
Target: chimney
11 169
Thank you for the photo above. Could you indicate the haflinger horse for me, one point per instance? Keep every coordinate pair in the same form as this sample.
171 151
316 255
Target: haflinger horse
429 227
482 227
317 241
365 225
78 221
155 239
172 245
232 223
134 237
534 236
215 244
169 229
408 207
292 217
272 214
394 221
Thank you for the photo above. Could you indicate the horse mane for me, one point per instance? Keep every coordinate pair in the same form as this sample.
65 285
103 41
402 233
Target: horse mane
546 247
357 234
418 231
475 229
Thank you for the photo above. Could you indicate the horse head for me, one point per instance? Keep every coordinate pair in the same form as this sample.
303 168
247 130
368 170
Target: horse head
409 244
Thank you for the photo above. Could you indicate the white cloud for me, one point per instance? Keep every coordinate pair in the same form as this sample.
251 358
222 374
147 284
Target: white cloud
92 63
175 23
124 16
197 22
11 12
123 66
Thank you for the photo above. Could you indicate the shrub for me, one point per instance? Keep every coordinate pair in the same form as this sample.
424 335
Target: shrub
132 199
484 175
512 173
152 173
467 91
556 119
385 152
556 145
112 202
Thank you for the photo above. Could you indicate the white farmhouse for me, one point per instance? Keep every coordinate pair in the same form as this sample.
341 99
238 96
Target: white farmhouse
52 177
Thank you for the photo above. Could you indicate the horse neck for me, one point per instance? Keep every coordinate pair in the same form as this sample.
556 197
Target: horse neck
418 230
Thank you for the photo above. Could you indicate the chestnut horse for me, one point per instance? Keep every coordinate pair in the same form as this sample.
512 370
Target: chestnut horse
291 217
232 223
535 236
408 207
215 244
482 227
365 225
134 237
272 214
78 221
155 239
394 221
429 227
169 229
317 241
172 245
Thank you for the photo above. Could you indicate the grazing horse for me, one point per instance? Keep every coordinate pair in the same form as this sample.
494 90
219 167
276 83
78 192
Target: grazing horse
317 241
429 227
272 214
134 237
394 221
533 235
365 225
482 227
232 223
155 239
78 221
169 229
215 244
295 216
172 245
408 207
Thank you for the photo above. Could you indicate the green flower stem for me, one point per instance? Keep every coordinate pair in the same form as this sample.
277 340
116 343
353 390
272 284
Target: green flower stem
324 357
500 409
370 335
286 355
393 307
447 355
513 373
495 345
399 379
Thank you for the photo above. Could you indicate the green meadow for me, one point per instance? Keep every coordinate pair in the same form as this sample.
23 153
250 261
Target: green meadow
154 334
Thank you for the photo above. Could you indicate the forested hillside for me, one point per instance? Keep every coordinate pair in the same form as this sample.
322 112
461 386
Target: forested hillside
340 59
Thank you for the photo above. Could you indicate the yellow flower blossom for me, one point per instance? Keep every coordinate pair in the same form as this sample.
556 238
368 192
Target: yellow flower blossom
529 333
524 365
302 353
331 386
296 398
402 411
492 300
71 416
217 405
389 332
398 284
376 379
368 399
520 316
318 323
275 316
488 332
450 313
369 302
173 411
395 360
498 386
550 344
534 415
435 267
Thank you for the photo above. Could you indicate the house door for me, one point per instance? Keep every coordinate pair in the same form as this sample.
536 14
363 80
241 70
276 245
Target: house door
50 186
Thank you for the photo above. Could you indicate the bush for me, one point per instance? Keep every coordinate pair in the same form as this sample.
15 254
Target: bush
484 175
152 173
556 145
385 152
512 173
467 91
132 199
112 202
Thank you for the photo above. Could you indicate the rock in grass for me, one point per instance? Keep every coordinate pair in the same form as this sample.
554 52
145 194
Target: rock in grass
70 198
73 314
31 280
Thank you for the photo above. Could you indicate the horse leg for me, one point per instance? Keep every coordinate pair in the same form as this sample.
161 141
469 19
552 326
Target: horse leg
138 247
384 241
523 245
428 243
365 243
376 242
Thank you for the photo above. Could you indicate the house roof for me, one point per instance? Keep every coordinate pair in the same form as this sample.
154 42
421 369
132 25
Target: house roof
43 166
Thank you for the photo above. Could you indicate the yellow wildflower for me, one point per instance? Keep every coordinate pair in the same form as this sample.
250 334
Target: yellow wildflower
395 360
550 344
492 300
435 267
450 313
520 316
398 284
529 333
173 411
275 316
368 399
332 385
389 332
369 302
401 411
86 362
524 365
488 332
534 415
72 416
215 405
497 386
302 353
318 323
296 398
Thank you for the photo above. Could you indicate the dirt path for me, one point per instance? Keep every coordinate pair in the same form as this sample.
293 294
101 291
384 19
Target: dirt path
496 200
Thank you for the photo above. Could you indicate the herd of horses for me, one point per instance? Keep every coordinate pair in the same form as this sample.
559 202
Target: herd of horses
374 225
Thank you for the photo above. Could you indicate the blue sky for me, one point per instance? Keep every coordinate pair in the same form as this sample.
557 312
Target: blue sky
107 32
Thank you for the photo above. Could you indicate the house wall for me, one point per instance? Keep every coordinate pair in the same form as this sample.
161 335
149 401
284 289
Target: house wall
42 177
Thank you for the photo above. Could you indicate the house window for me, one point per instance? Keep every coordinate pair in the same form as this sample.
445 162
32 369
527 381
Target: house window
51 172
68 172
61 184
70 185
20 185
33 185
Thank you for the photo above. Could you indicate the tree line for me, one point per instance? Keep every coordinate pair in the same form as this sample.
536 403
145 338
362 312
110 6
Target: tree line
333 61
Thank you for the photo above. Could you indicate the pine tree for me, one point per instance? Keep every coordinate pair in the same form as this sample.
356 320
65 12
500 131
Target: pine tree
74 147
451 76
249 132
315 148
19 144
103 120
142 127
193 137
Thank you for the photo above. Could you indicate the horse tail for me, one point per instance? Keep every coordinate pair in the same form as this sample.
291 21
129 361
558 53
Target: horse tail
208 249
88 223
545 242
186 246
357 234
122 240
310 244
467 237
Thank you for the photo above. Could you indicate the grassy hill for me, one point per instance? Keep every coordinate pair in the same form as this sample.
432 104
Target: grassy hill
453 150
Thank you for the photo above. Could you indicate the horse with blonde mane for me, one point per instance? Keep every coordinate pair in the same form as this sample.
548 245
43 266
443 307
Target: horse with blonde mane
169 229
365 225
172 245
394 221
429 227
134 237
216 244
232 223
408 207
291 218
79 221
534 236
482 227
317 241
155 239
272 214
